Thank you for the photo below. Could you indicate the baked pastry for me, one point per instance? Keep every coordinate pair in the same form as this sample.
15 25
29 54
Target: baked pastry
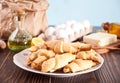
68 48
36 58
58 48
88 55
31 58
35 48
51 44
36 64
57 62
81 46
61 47
57 55
78 65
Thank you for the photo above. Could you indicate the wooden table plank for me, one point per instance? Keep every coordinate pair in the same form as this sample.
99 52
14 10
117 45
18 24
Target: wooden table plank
110 71
10 73
3 54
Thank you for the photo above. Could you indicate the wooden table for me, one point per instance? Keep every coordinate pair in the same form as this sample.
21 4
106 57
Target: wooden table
108 73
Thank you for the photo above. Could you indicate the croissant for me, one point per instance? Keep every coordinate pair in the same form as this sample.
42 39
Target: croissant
78 65
61 47
57 62
45 52
51 44
68 48
35 48
32 57
91 55
58 47
81 46
37 58
36 64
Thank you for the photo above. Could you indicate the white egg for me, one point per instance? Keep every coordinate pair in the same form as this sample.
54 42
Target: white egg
52 37
42 36
70 32
86 23
80 26
79 29
61 34
73 21
62 26
68 23
76 28
49 31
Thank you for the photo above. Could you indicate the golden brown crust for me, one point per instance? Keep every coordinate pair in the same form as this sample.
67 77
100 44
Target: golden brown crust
60 62
36 64
88 55
71 57
58 48
78 65
51 44
81 46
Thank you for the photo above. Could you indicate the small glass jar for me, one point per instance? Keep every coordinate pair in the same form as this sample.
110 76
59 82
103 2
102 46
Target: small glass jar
19 39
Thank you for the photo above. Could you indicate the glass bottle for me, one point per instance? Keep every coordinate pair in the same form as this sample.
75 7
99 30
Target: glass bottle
19 39
113 28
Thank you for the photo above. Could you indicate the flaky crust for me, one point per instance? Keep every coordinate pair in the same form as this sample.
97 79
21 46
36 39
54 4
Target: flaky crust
59 55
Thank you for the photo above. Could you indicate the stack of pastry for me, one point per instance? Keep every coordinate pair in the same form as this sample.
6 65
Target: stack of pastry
58 55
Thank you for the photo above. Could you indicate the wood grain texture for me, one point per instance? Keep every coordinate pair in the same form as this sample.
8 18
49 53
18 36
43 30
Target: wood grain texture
108 73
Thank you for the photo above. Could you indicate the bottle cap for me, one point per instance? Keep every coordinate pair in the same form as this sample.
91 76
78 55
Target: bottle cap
20 12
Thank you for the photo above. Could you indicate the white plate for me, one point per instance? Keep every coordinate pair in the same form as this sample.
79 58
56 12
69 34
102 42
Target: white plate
20 60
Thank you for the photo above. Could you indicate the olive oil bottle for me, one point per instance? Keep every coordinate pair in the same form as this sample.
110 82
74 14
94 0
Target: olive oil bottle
19 39
113 28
